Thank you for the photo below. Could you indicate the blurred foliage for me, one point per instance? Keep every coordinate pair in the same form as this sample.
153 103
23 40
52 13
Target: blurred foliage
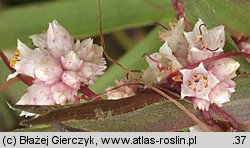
80 17
20 2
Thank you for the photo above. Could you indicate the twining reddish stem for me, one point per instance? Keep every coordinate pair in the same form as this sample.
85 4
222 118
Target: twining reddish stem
179 8
224 55
207 117
8 83
89 93
6 61
224 115
26 80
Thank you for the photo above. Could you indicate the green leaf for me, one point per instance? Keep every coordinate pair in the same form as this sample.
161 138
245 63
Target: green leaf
195 9
164 116
234 14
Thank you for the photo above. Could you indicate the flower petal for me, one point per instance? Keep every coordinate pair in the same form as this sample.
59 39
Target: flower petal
48 70
198 27
197 87
220 94
164 49
37 94
150 75
88 73
59 40
224 68
89 52
176 41
197 32
70 61
72 79
27 60
196 55
39 40
191 38
61 93
84 48
201 104
215 37
122 92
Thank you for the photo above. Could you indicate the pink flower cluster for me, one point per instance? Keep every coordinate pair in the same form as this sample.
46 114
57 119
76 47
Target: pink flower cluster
207 83
58 66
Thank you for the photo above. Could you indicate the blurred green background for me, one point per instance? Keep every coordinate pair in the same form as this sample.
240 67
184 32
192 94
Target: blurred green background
128 26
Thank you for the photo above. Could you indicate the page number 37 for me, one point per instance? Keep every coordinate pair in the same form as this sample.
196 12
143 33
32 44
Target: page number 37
239 139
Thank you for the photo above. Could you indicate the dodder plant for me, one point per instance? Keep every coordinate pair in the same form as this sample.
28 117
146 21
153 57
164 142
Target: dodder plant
190 65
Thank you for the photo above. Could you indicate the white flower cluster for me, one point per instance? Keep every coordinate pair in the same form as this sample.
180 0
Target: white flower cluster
208 82
58 66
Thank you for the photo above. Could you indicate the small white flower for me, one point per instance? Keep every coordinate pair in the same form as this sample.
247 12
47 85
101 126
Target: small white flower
197 82
224 70
204 43
122 92
210 86
176 41
161 64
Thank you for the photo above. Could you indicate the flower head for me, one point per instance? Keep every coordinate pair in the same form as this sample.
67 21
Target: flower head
209 85
224 70
124 91
176 41
58 65
197 82
160 64
204 43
